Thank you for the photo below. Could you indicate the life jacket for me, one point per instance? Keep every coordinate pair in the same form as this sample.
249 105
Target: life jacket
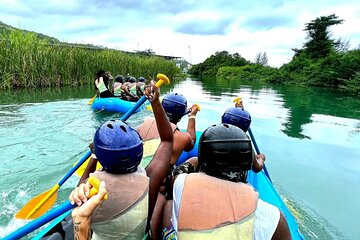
100 85
213 208
124 214
118 90
132 89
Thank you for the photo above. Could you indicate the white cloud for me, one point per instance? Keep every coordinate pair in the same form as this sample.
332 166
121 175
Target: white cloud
207 27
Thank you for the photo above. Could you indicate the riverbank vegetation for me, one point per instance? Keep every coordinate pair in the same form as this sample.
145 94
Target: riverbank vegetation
28 60
322 61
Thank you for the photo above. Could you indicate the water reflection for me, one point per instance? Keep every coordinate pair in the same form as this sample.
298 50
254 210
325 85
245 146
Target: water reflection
303 104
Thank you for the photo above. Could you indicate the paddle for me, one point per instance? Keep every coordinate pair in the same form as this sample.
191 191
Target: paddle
41 203
31 226
238 100
91 100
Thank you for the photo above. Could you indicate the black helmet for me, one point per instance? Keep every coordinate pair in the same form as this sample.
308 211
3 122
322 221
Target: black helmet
175 105
237 117
141 79
119 78
132 79
225 152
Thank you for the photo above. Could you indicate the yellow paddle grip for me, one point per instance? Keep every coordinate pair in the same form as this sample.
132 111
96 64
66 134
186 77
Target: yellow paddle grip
237 100
95 183
197 106
162 79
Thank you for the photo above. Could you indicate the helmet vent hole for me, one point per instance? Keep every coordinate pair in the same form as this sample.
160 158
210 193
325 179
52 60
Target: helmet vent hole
110 126
123 128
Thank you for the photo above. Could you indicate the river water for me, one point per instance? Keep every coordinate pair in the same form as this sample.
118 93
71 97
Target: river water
310 136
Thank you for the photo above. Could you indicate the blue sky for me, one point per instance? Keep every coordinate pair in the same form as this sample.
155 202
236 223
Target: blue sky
188 28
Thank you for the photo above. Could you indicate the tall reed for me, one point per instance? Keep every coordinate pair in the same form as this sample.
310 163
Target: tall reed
28 61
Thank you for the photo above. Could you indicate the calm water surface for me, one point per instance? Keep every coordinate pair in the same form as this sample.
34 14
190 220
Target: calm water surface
311 138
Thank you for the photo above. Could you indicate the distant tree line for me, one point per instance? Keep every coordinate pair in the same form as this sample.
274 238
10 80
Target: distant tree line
322 61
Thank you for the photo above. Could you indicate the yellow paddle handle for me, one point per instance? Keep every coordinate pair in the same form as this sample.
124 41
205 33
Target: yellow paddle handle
162 79
95 183
237 100
197 106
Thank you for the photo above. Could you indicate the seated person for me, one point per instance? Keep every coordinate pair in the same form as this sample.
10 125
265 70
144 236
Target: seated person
175 106
140 85
130 90
117 86
119 148
101 84
216 203
241 118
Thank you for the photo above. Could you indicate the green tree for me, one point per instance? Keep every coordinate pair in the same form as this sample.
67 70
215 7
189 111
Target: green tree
320 43
220 59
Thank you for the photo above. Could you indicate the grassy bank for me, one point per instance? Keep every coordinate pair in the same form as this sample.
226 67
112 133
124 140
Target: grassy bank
29 61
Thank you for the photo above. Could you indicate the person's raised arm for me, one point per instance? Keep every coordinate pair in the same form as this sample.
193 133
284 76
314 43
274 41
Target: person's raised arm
160 163
191 126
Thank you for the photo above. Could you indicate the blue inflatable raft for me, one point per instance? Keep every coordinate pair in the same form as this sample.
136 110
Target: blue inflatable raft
113 105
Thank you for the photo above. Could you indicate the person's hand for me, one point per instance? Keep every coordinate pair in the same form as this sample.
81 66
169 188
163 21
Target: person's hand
91 146
260 157
152 92
108 74
86 205
193 110
239 104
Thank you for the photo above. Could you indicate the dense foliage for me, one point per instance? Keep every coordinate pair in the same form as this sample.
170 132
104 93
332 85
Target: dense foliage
220 59
29 60
322 61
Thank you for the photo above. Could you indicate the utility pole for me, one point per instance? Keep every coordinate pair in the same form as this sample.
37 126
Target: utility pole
190 54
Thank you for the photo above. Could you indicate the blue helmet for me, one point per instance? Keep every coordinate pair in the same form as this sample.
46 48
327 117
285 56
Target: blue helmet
237 117
175 106
118 147
141 79
225 152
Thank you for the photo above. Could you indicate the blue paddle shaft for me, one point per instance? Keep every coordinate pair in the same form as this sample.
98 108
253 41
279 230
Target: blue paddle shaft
31 226
74 168
133 109
258 152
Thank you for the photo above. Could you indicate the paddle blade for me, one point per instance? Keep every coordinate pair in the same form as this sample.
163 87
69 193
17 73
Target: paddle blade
80 171
29 211
91 100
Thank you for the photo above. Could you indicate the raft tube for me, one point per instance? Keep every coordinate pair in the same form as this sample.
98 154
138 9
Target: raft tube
113 104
